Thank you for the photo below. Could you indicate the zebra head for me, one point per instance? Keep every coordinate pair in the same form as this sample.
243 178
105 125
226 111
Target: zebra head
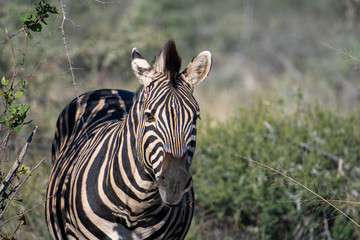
167 113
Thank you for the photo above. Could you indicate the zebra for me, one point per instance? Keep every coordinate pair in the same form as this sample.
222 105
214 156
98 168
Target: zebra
121 159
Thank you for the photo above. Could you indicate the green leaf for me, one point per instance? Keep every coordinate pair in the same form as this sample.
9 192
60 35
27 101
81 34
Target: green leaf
25 16
33 17
22 17
15 116
24 169
36 27
29 35
4 82
22 84
32 21
18 94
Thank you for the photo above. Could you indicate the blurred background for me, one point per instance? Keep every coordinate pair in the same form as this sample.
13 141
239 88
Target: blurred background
265 53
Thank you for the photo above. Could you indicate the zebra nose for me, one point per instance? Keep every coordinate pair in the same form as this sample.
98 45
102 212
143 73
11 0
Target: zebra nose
174 180
181 183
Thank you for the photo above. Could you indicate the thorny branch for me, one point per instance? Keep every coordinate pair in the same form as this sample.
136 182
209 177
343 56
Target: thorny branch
20 186
16 166
71 69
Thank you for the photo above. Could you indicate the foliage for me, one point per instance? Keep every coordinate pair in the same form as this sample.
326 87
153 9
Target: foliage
237 199
32 21
14 114
12 119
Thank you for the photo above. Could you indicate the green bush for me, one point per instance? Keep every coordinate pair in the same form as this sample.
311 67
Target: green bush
236 198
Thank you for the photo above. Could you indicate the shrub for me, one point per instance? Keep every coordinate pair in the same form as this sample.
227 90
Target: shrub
239 199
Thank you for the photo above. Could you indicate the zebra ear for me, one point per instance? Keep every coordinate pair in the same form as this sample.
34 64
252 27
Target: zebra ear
198 69
141 68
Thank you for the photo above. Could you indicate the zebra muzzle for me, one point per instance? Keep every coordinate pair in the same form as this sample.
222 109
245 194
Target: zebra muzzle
174 181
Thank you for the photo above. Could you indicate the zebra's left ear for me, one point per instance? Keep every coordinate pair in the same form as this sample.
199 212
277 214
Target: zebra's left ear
198 69
141 68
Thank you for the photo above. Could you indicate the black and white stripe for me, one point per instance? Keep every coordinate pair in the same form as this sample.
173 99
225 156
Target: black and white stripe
121 160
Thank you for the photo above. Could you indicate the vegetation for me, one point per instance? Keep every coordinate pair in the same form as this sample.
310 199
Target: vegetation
254 175
278 143
12 119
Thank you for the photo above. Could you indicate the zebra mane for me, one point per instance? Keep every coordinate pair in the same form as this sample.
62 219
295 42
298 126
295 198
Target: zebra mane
168 60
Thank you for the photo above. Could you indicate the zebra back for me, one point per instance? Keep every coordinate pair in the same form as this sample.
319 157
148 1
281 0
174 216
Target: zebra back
86 111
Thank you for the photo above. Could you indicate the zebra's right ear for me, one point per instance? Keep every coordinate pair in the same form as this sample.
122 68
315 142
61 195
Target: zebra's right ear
141 68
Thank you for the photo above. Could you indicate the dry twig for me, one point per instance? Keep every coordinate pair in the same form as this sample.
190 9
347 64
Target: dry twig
19 187
4 144
11 36
71 69
15 166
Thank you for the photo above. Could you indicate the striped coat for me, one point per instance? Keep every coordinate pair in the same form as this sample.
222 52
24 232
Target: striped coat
121 160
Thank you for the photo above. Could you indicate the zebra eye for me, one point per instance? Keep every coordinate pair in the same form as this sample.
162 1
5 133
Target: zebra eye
149 116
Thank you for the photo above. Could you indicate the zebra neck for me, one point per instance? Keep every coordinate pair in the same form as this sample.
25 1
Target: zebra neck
130 181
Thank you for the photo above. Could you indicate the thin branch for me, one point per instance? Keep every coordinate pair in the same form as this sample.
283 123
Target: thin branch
48 35
17 68
22 60
14 59
25 212
20 186
25 51
4 144
11 36
71 69
16 165
105 2
301 185
35 70
21 222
